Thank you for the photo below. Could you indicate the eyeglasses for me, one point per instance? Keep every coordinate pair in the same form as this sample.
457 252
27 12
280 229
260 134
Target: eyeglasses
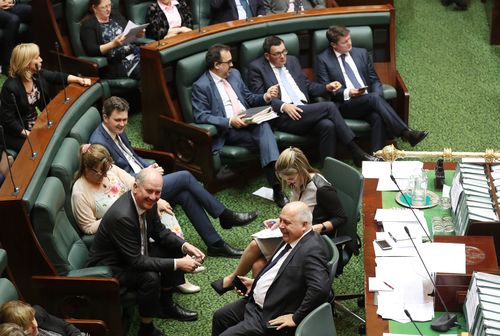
103 172
279 53
227 62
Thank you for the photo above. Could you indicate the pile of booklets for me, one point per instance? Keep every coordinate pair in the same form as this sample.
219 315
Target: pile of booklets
482 305
474 194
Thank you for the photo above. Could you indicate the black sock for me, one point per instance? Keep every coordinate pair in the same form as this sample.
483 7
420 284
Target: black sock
218 243
226 214
271 174
146 327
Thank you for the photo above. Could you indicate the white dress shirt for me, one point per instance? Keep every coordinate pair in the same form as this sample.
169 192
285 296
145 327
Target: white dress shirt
348 83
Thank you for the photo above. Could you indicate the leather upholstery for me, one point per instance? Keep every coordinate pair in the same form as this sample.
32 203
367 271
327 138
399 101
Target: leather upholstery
201 13
319 322
84 127
7 290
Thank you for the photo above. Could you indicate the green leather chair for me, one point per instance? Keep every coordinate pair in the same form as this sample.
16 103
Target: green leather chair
188 70
75 11
136 11
201 13
8 291
84 127
319 322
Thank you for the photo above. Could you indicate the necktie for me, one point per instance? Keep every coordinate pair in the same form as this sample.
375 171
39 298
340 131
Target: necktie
275 260
350 73
246 7
144 235
235 104
128 154
288 87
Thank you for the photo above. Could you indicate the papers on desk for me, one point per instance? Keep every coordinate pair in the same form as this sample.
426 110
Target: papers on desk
399 169
399 215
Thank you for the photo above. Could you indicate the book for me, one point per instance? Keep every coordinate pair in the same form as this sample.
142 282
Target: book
257 115
131 30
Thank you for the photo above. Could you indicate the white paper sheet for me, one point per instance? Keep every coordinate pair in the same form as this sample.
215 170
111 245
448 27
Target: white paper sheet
264 192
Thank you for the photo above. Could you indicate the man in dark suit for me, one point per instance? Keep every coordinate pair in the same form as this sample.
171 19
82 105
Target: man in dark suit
282 6
292 284
298 115
220 98
123 243
353 68
229 10
178 188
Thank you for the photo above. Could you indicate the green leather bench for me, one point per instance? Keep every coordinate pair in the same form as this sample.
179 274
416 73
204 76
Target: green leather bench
7 290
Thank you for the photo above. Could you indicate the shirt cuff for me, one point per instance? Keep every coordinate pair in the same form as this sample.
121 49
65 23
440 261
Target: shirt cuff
346 94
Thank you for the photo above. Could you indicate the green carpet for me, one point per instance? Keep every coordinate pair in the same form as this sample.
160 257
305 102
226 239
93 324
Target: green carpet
452 74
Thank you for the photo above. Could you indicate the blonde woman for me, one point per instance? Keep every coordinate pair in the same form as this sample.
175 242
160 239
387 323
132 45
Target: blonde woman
11 329
35 320
27 86
306 185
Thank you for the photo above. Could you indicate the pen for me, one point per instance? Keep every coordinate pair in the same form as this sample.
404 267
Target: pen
390 235
385 283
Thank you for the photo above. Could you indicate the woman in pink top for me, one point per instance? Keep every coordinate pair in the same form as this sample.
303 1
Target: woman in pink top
167 18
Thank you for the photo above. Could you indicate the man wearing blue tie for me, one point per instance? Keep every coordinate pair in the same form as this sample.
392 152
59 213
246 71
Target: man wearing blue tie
220 97
361 96
229 10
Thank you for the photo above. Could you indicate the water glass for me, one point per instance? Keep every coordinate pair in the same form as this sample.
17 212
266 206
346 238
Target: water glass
448 225
419 192
437 225
445 203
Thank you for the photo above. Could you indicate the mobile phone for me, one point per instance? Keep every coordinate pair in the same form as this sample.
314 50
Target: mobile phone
363 88
239 285
383 244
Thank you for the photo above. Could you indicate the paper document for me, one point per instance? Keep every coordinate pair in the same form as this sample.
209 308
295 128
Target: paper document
444 257
399 169
385 184
268 233
264 192
398 215
131 30
258 115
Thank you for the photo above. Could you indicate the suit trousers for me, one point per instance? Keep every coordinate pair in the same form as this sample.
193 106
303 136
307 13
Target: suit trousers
10 20
257 138
323 119
183 189
148 285
383 120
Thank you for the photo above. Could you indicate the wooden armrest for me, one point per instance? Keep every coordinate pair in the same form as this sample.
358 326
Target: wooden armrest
75 65
92 327
403 100
164 159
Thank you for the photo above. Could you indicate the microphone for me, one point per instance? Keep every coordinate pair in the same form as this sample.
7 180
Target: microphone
413 322
49 122
33 153
447 320
2 138
200 31
66 98
411 208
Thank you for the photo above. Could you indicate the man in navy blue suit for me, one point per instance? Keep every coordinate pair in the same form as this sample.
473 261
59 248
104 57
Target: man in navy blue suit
229 10
178 188
362 96
220 97
298 115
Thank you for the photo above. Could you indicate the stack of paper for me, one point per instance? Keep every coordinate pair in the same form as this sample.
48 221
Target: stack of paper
482 304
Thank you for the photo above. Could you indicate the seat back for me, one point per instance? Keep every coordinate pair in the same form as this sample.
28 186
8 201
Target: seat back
333 254
201 13
136 10
252 49
85 126
188 70
8 291
361 37
56 234
319 322
349 184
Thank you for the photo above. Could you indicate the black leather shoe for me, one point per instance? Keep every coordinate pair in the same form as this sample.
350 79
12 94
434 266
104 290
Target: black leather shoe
237 219
280 198
218 286
149 330
358 159
224 251
446 2
176 312
225 173
415 137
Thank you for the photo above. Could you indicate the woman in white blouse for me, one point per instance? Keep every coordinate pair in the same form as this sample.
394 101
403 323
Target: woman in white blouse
167 18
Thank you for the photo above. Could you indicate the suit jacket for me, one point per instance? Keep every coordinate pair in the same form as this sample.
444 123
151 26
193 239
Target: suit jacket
302 282
209 109
225 10
14 86
281 6
261 77
100 136
158 23
50 322
329 70
117 242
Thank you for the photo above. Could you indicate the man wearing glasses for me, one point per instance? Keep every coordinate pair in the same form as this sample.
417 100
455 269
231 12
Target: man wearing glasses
220 97
298 114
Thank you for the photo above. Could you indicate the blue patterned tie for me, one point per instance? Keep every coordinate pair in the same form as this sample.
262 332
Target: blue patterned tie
288 87
246 7
275 260
350 73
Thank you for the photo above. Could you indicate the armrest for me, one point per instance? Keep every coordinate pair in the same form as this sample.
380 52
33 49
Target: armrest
96 271
403 100
77 65
100 61
81 298
3 260
91 327
341 240
211 129
164 159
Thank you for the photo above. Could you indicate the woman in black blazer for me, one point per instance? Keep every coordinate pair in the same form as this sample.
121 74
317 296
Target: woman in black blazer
27 86
162 13
102 35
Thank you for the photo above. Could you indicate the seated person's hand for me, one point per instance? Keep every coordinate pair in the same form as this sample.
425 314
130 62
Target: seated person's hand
141 33
292 111
118 41
237 121
84 81
164 206
187 264
158 168
185 29
271 223
333 86
194 252
283 321
356 92
248 282
272 92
